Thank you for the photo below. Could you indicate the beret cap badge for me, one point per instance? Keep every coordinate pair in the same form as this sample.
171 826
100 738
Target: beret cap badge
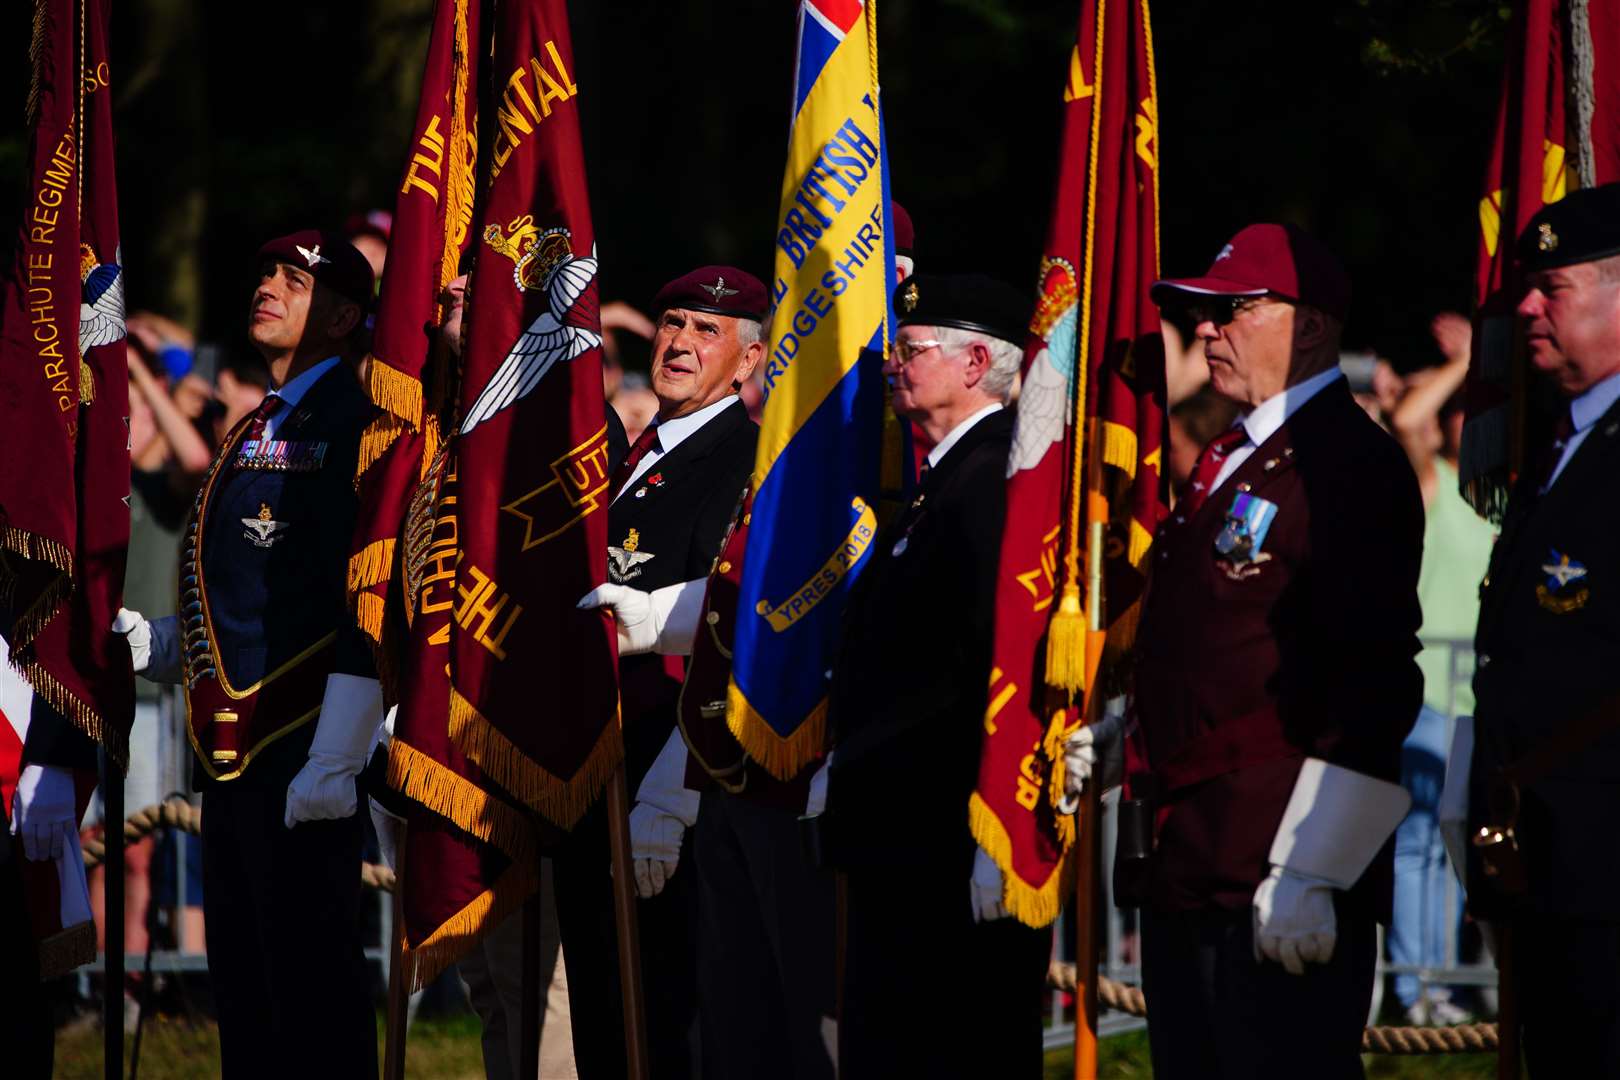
908 298
718 290
1546 239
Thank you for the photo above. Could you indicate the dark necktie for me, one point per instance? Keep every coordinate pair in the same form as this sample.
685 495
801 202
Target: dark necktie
1563 431
271 405
1208 468
645 444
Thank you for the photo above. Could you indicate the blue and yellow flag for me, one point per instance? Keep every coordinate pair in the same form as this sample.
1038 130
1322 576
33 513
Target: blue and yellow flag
817 474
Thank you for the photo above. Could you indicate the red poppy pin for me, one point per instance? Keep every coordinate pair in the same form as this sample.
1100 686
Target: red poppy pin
656 480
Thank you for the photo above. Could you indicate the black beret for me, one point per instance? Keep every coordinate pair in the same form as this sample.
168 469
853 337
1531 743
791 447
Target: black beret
1581 227
329 258
719 290
966 302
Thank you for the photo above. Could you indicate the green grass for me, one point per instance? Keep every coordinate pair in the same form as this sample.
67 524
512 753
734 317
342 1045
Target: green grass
447 1048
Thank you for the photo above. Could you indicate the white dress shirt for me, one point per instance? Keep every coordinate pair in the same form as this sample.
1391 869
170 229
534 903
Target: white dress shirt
1584 412
294 392
943 447
671 433
1264 420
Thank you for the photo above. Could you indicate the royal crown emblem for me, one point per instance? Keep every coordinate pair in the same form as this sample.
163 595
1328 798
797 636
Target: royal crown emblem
1546 239
535 252
718 290
908 298
1059 295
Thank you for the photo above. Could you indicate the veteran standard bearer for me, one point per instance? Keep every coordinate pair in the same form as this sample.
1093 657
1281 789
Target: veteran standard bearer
1275 680
675 495
929 947
282 700
1545 781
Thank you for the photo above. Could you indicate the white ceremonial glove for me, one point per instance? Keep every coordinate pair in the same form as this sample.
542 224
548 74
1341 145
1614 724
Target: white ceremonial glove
663 621
1293 920
665 808
1335 822
387 826
1453 809
138 633
42 811
1089 744
345 732
985 888
816 803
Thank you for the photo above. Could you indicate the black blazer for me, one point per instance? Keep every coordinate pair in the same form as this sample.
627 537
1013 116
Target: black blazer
912 675
1545 655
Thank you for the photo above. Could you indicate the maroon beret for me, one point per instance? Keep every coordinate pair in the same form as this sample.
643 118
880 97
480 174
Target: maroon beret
900 225
719 290
329 257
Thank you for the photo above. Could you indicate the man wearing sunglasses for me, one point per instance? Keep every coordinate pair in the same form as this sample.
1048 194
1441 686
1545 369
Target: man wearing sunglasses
1275 682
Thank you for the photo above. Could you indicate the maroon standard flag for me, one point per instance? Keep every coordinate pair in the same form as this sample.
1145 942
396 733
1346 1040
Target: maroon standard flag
64 391
509 694
1083 498
1557 128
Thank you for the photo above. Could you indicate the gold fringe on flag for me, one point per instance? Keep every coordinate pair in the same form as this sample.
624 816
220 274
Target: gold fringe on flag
561 801
371 565
78 713
781 757
380 434
1033 905
1118 447
369 611
467 927
395 392
460 182
460 801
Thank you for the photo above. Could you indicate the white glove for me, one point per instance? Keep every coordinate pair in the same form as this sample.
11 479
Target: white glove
985 888
42 811
138 632
816 803
1085 747
1293 920
1453 809
665 808
663 621
1335 822
387 826
324 789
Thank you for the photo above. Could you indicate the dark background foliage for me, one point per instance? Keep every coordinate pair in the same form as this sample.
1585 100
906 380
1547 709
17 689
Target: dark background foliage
1367 122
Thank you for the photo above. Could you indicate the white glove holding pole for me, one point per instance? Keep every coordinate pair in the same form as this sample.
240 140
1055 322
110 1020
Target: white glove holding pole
154 645
1088 745
42 811
664 621
345 732
1335 822
385 821
985 888
665 808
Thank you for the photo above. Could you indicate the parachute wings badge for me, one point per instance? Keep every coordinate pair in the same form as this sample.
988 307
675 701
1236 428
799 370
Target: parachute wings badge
101 309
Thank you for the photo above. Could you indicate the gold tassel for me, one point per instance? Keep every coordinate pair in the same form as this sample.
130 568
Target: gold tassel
467 927
372 565
562 802
1118 447
87 384
1066 643
369 609
781 757
459 801
1033 905
399 394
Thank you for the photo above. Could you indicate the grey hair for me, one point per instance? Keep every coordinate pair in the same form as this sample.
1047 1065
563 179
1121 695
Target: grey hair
1006 359
748 331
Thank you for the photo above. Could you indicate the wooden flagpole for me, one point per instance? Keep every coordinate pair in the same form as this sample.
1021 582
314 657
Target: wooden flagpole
112 893
624 921
399 995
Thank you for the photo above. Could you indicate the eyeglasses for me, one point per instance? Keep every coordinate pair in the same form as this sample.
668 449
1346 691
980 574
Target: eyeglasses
905 350
1221 310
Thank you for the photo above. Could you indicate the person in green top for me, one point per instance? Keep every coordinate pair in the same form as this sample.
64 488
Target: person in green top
1427 421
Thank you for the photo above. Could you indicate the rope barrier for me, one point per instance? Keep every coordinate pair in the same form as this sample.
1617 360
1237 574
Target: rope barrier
1462 1039
176 813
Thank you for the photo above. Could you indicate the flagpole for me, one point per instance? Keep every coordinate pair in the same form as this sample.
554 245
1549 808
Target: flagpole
112 892
398 995
624 920
1507 1004
534 995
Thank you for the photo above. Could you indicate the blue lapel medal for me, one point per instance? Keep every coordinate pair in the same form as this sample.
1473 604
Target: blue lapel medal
1238 544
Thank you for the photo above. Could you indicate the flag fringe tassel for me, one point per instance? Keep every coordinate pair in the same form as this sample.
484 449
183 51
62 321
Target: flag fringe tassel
78 713
782 757
460 801
1066 643
562 802
467 927
396 392
1033 905
1118 447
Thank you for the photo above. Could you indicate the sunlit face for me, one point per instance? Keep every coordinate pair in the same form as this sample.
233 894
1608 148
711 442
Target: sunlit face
927 377
281 307
696 357
453 301
1248 343
1572 326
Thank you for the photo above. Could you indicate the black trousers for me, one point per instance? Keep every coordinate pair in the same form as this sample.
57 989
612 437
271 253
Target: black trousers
928 992
26 1030
1569 996
1216 1012
284 944
765 973
591 954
